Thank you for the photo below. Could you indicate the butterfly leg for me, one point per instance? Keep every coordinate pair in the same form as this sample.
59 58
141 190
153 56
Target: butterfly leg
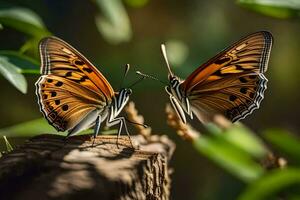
139 124
178 108
121 121
97 128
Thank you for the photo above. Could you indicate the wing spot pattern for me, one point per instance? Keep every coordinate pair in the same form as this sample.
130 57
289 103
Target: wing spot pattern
59 83
243 80
53 94
68 74
57 102
252 76
232 97
87 70
243 90
221 61
82 79
79 62
65 107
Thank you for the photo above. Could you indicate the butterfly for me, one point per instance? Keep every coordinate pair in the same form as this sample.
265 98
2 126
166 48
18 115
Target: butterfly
232 83
72 94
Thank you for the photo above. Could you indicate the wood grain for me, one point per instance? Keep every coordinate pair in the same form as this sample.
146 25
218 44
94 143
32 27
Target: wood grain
47 167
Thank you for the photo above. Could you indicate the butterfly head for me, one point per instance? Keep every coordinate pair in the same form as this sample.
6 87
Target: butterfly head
125 93
128 92
122 97
173 84
172 88
174 81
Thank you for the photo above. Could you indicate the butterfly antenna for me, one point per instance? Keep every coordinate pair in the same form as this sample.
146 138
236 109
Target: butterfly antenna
151 77
127 67
137 81
164 52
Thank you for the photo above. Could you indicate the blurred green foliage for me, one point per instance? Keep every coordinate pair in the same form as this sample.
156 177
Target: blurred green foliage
286 143
275 8
28 129
13 74
273 183
13 63
113 23
25 64
136 3
230 157
235 150
8 145
23 20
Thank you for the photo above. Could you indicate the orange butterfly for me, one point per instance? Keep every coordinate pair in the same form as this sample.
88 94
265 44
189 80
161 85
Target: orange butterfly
232 83
72 94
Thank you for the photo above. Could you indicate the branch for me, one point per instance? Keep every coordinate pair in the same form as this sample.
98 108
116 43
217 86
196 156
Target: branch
47 167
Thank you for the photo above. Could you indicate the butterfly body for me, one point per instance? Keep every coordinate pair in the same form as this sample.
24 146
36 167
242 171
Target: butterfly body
232 83
73 95
178 100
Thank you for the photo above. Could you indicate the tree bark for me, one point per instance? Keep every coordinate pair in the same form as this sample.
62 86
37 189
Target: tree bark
48 167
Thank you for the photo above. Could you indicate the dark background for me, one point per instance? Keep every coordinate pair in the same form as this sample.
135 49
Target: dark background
199 30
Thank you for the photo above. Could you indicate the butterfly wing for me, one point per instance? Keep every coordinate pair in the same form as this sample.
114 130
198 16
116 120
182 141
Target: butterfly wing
70 86
231 83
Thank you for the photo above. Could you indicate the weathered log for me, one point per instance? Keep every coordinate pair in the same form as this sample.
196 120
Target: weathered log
47 167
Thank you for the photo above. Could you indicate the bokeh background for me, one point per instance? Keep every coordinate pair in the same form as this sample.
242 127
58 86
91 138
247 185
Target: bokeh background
113 33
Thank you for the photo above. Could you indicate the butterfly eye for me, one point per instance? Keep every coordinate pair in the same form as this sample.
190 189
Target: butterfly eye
173 81
129 92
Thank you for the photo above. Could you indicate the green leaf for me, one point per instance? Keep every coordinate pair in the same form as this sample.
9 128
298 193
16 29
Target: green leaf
271 183
284 142
114 23
230 157
30 47
27 129
136 3
8 145
26 64
213 128
241 137
24 20
13 74
245 139
275 8
177 52
37 127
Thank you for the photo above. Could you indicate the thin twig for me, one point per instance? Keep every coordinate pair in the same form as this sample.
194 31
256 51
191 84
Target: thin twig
186 131
271 161
138 120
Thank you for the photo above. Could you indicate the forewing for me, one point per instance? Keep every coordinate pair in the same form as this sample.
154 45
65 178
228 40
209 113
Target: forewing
70 86
232 83
61 59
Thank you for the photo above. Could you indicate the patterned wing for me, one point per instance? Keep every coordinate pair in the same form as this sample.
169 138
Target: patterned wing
61 59
70 86
232 83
